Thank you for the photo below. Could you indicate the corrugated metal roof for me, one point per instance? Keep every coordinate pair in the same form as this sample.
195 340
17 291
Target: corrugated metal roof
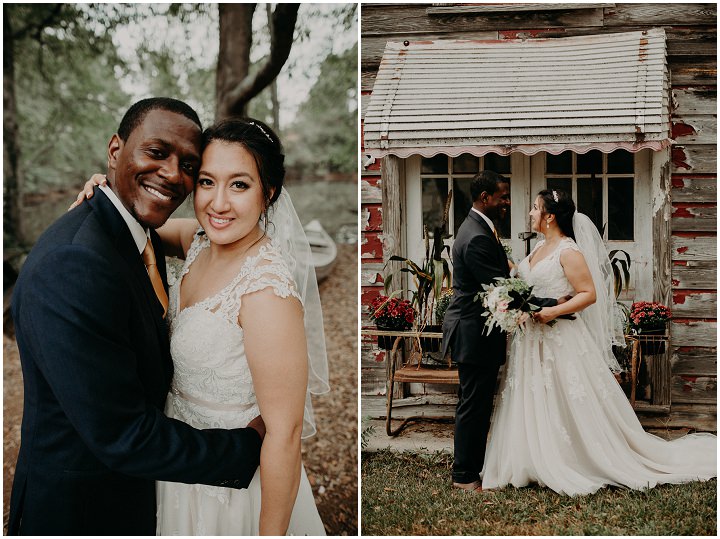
592 92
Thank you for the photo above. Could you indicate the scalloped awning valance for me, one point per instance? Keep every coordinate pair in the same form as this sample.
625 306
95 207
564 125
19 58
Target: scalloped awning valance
602 92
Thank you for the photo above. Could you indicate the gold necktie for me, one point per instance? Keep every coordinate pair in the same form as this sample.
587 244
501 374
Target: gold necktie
148 256
496 235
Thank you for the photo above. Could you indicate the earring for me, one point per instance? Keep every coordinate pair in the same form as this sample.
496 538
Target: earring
547 224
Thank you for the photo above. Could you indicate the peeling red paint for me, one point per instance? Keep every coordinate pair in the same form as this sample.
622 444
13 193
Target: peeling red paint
675 282
681 129
679 157
371 246
680 262
380 357
369 293
679 298
677 182
374 218
681 212
682 250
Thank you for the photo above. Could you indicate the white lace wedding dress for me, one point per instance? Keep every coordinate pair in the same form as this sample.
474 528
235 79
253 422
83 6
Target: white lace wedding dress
563 421
212 388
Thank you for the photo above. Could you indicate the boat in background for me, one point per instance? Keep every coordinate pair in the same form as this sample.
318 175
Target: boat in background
323 248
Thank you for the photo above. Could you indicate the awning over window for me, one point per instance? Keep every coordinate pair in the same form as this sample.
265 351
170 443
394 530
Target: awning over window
578 93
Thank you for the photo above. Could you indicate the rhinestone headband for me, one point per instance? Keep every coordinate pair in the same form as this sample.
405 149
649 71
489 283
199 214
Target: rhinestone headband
555 195
267 135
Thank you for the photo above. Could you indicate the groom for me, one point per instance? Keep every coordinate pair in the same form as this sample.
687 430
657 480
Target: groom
89 310
478 257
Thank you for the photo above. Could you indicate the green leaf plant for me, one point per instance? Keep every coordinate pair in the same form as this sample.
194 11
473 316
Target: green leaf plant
431 274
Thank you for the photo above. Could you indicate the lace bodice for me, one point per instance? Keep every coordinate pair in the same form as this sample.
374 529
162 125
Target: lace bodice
548 276
212 385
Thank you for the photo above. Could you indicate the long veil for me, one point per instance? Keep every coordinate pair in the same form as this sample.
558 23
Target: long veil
285 228
600 317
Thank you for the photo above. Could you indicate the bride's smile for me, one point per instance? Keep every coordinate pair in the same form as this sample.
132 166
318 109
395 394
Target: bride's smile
229 196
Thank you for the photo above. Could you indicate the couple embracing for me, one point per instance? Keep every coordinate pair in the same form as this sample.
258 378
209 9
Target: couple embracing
148 409
561 419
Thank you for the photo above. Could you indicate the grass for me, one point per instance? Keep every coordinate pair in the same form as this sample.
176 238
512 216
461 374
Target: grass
410 494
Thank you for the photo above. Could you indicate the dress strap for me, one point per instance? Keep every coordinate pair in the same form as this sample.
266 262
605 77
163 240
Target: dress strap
200 241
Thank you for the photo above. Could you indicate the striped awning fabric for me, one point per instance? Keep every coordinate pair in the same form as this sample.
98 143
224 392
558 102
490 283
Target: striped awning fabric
578 93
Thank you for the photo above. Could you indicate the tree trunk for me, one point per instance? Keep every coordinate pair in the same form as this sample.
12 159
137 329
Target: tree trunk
12 192
234 56
235 87
274 103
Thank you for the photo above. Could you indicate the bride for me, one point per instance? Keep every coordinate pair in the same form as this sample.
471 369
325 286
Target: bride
246 335
562 420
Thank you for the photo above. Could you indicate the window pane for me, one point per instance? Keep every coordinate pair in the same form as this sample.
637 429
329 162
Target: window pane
621 215
435 165
462 201
497 163
589 200
559 164
465 164
589 163
434 196
621 162
564 184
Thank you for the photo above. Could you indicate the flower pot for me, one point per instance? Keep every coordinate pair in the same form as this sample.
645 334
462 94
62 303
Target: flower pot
429 344
386 342
652 341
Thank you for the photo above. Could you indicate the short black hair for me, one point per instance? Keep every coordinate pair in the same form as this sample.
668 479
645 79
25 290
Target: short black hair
486 180
136 114
262 143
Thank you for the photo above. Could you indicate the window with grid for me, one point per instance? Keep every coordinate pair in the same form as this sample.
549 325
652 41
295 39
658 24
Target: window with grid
441 173
602 186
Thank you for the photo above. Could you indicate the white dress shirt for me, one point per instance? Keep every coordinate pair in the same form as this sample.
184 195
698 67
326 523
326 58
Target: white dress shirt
488 221
139 234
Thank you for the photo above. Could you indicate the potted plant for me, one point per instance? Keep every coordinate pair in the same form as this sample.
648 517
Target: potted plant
391 314
441 305
429 278
648 320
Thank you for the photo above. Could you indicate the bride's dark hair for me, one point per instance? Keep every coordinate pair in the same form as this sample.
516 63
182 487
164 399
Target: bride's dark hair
560 204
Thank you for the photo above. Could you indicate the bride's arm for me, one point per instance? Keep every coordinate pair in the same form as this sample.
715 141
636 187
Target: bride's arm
577 272
176 235
277 355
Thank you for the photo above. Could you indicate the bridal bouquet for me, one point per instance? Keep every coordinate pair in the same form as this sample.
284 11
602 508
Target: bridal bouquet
506 301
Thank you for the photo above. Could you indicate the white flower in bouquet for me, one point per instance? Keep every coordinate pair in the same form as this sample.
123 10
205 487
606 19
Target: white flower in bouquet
506 301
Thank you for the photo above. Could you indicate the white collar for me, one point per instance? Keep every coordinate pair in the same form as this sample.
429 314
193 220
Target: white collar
139 234
487 220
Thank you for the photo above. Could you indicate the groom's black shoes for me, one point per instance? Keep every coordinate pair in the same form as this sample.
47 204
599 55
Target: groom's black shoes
474 487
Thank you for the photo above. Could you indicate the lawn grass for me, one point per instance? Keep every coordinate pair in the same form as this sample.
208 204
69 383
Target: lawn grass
410 494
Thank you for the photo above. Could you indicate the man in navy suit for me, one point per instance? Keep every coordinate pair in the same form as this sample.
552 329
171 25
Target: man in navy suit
478 258
95 351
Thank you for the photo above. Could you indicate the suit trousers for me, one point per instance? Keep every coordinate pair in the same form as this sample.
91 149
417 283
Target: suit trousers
472 418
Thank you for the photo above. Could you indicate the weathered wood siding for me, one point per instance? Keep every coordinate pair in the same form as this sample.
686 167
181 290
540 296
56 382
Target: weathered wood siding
691 31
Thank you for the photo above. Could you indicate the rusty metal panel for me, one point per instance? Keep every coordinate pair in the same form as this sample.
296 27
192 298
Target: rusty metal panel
591 92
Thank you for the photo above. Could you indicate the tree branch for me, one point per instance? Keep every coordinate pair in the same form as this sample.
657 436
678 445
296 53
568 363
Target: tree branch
282 27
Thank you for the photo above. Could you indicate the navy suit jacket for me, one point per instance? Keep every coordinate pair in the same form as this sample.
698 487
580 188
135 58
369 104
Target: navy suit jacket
97 368
477 257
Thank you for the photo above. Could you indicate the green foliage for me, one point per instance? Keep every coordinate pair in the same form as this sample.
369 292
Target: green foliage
620 264
324 135
410 494
67 94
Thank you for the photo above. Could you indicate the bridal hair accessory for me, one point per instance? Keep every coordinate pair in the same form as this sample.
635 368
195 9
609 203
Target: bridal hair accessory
286 231
555 195
601 317
267 135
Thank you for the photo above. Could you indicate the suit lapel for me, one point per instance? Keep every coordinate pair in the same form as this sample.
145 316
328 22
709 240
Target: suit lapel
126 246
502 255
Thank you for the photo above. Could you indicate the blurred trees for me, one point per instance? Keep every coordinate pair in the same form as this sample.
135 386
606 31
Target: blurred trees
324 134
60 95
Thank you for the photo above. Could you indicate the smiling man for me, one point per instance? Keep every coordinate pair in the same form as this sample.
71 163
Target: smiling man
89 311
